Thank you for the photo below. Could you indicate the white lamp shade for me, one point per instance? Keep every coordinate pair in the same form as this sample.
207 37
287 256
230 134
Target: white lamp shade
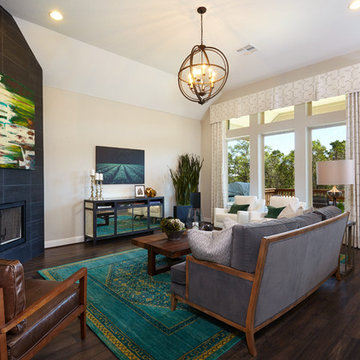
336 172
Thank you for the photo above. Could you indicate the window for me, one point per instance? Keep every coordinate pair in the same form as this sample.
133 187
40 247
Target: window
279 160
277 163
238 167
286 113
241 122
328 105
327 144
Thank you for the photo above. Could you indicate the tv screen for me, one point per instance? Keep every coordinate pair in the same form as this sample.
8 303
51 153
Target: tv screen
120 166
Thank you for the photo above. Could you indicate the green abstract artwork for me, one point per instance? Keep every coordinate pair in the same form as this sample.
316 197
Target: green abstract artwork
17 133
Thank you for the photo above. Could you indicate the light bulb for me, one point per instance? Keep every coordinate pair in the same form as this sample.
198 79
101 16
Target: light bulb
203 69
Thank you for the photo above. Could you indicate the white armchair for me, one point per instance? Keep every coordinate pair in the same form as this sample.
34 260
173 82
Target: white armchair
294 206
279 201
254 212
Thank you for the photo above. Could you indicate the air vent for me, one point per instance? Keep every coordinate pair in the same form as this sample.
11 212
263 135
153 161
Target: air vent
247 50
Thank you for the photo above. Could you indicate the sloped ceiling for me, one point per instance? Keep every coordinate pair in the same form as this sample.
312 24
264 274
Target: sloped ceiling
159 34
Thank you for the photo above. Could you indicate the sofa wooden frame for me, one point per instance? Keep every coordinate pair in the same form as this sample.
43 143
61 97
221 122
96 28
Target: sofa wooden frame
256 278
80 311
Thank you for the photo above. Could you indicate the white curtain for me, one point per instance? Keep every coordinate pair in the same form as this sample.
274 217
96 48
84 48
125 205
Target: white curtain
352 193
219 164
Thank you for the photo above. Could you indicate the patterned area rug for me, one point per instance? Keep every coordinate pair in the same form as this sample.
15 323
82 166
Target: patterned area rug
130 312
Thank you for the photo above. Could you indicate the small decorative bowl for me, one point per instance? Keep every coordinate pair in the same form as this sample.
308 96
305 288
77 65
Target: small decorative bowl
175 235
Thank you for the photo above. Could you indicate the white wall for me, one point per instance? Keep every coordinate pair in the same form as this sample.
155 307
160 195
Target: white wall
74 124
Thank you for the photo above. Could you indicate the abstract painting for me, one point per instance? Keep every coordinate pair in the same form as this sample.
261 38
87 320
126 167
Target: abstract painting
120 166
17 134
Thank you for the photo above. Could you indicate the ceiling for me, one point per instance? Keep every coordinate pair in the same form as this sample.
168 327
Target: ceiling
159 33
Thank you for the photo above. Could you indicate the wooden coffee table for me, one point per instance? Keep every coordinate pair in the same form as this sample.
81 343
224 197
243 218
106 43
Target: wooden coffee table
159 244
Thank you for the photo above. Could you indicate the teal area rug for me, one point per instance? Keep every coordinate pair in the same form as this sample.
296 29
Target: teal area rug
130 311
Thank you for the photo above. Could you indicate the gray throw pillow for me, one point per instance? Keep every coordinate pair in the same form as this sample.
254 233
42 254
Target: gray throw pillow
214 246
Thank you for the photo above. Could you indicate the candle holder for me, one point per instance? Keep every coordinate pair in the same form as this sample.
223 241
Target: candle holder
100 190
97 190
92 184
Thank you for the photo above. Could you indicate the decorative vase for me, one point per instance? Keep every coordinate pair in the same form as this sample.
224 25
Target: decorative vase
150 192
175 235
181 212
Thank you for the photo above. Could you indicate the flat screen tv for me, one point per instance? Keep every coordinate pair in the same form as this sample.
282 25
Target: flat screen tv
120 166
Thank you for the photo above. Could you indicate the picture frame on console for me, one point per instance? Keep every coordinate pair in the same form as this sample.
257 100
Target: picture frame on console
139 191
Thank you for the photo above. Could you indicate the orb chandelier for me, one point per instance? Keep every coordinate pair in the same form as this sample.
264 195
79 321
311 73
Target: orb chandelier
204 72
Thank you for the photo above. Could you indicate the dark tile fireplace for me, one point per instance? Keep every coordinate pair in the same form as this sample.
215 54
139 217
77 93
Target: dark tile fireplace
12 225
20 188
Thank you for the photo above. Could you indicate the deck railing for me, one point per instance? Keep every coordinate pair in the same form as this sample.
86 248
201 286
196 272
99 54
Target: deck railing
317 193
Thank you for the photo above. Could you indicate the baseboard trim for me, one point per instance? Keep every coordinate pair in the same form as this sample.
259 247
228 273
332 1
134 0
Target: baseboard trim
62 242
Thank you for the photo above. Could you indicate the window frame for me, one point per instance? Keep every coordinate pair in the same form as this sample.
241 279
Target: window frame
301 125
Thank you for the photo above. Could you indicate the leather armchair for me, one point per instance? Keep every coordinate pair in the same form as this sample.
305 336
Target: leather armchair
32 312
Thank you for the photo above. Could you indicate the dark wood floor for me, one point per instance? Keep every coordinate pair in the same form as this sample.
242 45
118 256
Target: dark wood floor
325 326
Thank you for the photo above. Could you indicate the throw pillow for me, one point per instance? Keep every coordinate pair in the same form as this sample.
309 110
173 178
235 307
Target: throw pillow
235 208
274 212
212 246
228 223
289 212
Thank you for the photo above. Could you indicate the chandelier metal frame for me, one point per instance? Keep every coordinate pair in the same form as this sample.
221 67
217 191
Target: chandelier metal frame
200 78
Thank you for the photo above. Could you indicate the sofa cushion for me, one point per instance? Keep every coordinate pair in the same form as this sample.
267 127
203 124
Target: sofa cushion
12 282
212 246
308 219
178 273
328 212
45 319
178 289
247 239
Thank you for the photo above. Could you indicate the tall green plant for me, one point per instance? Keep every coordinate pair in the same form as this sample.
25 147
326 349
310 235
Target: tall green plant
186 177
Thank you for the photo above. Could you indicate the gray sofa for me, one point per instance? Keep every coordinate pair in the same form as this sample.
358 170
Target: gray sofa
274 266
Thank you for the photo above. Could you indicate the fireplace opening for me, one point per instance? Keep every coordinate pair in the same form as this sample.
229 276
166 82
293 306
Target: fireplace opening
12 221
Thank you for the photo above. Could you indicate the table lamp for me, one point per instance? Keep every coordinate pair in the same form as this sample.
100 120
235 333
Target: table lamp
339 172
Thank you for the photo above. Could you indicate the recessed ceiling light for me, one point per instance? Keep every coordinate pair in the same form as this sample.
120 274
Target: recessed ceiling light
354 5
56 15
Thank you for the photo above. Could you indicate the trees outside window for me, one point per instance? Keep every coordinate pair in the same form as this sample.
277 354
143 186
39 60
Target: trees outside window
238 168
279 161
327 144
239 161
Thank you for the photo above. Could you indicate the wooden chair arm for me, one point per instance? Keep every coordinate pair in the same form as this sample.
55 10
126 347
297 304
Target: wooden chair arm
223 268
79 275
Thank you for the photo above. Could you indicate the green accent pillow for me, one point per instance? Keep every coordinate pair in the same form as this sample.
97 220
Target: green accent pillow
235 208
274 212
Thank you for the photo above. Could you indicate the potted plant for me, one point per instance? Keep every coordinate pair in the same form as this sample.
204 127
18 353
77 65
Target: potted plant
185 179
173 228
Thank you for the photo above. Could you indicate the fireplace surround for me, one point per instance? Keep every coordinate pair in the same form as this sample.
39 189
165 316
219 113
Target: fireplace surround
12 224
18 62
